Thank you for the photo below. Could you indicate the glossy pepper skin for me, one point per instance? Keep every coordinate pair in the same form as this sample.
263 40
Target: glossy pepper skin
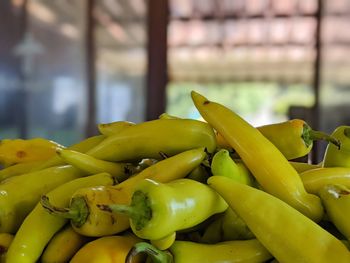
147 139
18 169
336 199
338 157
267 164
109 249
222 164
113 127
158 210
294 138
63 246
302 167
21 151
314 180
288 235
40 226
247 251
91 165
20 194
87 219
229 226
81 146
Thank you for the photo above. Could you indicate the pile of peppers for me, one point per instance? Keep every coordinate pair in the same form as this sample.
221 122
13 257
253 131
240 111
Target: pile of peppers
175 190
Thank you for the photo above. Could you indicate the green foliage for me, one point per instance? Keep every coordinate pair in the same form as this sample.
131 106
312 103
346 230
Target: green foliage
249 99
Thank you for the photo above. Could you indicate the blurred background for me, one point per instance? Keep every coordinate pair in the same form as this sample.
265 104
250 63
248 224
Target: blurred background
69 64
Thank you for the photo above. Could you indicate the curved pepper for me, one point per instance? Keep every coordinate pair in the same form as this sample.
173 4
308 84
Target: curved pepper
247 251
336 199
288 235
20 194
147 139
113 127
91 165
81 146
21 151
63 246
39 226
302 167
18 169
294 138
158 210
109 249
315 179
267 164
222 164
338 157
229 226
87 219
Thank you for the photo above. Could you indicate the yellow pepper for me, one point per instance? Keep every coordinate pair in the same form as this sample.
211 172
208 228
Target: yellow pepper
148 139
19 194
242 251
267 164
294 138
109 249
18 169
39 226
87 219
336 199
314 180
113 127
63 246
81 146
158 210
21 151
335 156
286 233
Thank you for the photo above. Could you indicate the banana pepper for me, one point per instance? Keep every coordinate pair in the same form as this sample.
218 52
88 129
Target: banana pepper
87 219
286 233
267 164
81 146
113 127
158 210
314 180
247 251
338 156
108 249
294 138
39 226
20 151
147 139
336 199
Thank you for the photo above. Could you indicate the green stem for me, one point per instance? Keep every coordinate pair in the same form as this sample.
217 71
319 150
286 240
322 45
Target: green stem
139 211
157 255
309 135
78 211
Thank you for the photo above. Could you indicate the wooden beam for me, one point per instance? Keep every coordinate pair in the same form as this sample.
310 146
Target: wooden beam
316 82
90 50
157 73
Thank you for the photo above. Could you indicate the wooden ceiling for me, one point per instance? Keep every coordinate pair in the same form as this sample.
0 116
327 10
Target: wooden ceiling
213 40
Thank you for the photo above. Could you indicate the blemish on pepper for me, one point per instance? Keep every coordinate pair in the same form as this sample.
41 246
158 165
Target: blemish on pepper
21 154
206 102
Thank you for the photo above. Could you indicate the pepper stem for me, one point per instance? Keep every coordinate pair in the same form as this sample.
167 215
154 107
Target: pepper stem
139 211
157 255
309 135
78 211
